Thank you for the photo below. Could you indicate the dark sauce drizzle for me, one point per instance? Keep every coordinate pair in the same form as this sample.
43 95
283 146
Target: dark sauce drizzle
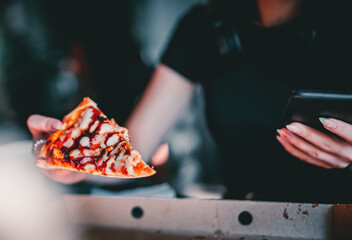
76 145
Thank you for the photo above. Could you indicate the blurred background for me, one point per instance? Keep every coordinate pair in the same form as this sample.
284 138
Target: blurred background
53 53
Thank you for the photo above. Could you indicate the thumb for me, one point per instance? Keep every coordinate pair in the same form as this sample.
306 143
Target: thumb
40 125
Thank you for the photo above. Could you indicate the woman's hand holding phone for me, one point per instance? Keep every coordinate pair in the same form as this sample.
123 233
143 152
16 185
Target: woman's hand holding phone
315 147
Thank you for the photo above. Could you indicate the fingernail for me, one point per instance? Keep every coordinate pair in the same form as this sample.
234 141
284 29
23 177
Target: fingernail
294 129
58 126
282 133
328 123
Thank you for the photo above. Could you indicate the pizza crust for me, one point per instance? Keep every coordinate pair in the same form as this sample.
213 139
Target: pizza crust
45 165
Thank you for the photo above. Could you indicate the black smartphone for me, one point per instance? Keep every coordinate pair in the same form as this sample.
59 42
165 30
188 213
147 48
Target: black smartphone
307 106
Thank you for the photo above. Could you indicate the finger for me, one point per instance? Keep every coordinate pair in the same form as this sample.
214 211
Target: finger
313 151
338 127
161 156
301 155
39 125
322 140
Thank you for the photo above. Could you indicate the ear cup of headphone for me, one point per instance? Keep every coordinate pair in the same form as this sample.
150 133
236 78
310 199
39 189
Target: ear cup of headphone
228 39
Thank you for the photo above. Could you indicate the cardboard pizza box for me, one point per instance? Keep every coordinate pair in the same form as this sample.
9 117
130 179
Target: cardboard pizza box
140 218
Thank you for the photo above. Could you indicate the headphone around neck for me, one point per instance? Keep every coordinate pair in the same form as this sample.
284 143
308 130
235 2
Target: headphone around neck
229 40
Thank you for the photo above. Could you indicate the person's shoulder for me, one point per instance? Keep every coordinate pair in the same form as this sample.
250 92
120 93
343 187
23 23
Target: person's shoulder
195 16
190 44
196 12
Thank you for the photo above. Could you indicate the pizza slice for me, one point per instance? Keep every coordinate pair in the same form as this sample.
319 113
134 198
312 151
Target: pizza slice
92 143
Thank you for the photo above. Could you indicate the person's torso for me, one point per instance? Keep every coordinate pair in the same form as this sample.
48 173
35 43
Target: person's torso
246 94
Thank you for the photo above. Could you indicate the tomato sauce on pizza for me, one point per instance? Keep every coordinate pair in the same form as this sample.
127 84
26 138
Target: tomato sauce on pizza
92 143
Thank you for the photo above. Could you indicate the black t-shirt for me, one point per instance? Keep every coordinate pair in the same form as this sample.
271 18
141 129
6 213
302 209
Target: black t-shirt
246 89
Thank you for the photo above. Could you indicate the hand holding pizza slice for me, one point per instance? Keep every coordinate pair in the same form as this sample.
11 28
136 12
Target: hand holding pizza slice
91 143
